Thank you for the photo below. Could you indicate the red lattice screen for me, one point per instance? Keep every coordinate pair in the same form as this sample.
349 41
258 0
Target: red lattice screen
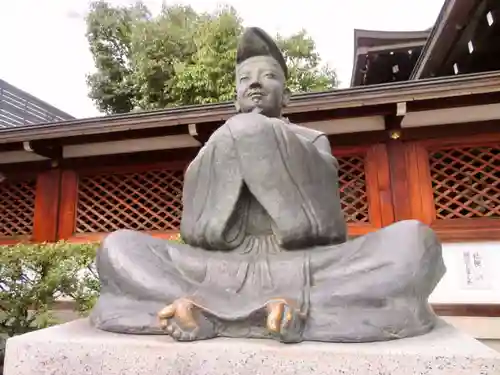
466 182
148 201
353 194
152 200
17 207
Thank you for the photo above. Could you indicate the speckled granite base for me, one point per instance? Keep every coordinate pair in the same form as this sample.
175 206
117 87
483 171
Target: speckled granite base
76 348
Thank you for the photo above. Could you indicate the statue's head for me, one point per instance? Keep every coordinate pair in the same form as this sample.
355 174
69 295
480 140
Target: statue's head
261 75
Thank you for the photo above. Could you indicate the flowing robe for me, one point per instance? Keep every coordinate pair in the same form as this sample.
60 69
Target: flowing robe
262 220
294 180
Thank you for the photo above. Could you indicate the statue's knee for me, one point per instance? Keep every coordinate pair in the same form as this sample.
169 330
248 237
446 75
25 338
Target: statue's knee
118 243
408 225
118 238
416 241
410 231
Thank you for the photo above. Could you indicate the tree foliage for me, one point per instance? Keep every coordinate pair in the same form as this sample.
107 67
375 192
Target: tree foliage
179 57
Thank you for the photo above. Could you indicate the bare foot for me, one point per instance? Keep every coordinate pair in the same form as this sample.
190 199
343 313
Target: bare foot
184 321
285 320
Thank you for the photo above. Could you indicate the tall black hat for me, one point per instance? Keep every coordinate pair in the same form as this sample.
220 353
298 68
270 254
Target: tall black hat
256 42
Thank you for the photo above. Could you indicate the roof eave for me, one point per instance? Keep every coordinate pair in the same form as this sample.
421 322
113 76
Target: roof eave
373 95
403 36
442 35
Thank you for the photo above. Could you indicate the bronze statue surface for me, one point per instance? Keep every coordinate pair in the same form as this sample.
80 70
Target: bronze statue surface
266 253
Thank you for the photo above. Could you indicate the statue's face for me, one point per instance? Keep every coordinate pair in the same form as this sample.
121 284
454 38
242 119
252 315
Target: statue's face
260 86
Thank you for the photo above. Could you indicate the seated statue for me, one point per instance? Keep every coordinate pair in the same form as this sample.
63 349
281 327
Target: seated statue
266 252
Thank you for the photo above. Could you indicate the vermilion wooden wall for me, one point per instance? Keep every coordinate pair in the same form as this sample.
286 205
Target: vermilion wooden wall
452 184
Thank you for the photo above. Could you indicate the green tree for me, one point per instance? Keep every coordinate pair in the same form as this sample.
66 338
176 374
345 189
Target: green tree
179 57
304 64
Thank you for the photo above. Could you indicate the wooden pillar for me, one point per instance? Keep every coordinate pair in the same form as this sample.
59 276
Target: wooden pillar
46 206
400 169
410 182
420 191
69 197
379 186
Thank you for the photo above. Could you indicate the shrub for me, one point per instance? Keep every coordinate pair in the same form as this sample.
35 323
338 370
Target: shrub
34 276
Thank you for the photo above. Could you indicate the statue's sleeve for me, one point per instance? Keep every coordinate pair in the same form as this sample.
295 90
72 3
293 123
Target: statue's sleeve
212 186
294 179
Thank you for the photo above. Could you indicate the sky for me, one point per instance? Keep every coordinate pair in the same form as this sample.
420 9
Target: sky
43 49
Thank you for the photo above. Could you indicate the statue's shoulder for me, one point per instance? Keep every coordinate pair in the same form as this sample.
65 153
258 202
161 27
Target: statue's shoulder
308 133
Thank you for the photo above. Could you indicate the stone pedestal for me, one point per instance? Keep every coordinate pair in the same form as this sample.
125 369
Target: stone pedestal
76 348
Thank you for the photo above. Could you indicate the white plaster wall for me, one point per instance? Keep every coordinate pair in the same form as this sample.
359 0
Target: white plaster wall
472 276
473 273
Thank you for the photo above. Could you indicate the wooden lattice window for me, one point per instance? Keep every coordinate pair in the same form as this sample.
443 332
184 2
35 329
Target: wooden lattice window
466 182
17 207
353 194
145 201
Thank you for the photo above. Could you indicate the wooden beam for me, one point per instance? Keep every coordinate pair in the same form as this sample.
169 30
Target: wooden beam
363 138
348 125
438 117
120 160
126 135
467 230
467 309
11 157
201 135
405 46
50 151
446 130
129 146
453 102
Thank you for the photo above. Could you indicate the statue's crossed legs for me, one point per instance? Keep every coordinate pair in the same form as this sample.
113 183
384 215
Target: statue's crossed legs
369 289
